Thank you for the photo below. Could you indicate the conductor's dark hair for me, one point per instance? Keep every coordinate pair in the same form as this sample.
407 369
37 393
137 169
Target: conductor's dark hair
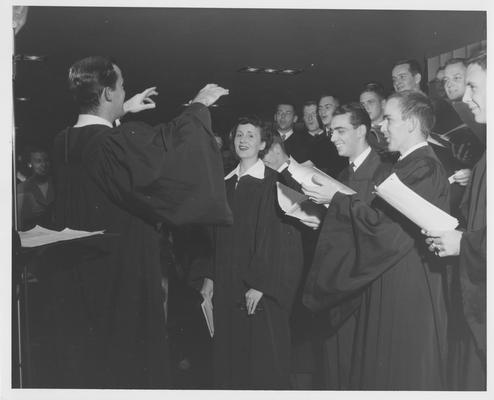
358 115
480 59
374 87
265 130
88 78
413 66
416 104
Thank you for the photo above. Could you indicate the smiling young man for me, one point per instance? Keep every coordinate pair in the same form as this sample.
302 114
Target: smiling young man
469 244
350 126
400 333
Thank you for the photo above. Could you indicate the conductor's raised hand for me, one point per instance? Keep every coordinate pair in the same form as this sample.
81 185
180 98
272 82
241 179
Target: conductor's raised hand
209 94
141 101
321 192
252 297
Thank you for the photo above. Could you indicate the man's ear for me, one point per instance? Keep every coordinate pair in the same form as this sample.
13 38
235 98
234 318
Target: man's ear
263 145
417 78
361 131
107 94
295 119
412 124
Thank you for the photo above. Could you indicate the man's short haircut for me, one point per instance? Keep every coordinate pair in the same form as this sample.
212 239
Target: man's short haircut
265 129
480 59
327 94
309 103
374 87
88 78
358 115
455 60
286 103
416 104
413 66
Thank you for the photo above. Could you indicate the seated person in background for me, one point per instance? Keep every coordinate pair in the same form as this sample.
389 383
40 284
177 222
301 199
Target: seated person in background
36 194
256 270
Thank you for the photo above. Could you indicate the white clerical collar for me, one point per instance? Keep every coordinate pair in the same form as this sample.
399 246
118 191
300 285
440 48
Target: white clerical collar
256 171
361 158
412 149
286 135
90 119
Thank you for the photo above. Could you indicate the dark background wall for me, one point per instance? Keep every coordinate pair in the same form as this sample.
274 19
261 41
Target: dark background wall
180 50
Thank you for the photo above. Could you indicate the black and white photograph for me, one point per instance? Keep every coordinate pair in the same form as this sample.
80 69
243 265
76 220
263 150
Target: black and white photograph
256 199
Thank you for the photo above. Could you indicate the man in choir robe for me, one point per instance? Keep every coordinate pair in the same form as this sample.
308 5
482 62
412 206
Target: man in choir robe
400 334
470 245
350 128
322 152
108 315
296 142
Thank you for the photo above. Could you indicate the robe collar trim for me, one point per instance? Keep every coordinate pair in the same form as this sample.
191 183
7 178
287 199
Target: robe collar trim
412 149
256 171
90 119
361 158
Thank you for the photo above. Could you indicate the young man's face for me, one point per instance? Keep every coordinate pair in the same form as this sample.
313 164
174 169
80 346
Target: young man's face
454 81
403 79
285 117
326 108
373 104
39 163
345 137
475 92
395 129
310 118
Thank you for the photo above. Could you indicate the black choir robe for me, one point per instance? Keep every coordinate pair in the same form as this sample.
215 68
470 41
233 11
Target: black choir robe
298 145
323 153
107 310
340 320
473 276
262 250
400 340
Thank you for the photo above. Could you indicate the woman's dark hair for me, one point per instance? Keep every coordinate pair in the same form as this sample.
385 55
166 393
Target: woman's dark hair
265 130
88 78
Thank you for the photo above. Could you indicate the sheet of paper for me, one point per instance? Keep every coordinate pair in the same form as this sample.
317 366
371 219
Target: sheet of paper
39 236
207 310
413 206
295 204
304 174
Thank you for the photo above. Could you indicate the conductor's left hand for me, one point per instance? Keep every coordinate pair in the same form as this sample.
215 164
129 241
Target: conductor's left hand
141 101
252 297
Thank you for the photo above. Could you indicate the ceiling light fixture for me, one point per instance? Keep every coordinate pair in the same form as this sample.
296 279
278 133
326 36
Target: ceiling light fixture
269 70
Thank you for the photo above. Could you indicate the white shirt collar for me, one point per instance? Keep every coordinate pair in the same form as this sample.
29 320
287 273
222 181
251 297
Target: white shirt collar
361 158
286 134
316 133
256 171
90 119
412 149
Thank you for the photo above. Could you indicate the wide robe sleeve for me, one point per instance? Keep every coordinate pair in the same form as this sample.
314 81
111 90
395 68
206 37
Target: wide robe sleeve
360 241
168 173
277 263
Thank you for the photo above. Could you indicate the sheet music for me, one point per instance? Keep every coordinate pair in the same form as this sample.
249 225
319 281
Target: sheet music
207 310
414 207
39 236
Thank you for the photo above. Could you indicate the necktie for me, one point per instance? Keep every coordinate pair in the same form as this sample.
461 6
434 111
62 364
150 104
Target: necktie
283 136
